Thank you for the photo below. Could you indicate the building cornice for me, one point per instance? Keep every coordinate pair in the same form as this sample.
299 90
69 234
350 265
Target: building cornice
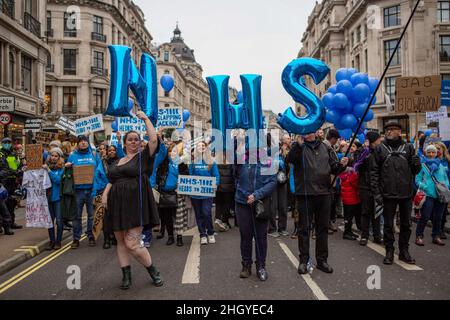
355 13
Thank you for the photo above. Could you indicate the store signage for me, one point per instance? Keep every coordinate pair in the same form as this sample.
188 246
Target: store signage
7 104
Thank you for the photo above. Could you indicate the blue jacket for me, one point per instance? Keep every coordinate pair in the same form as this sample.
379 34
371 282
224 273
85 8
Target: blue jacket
201 169
291 179
159 158
83 159
250 181
426 183
55 177
100 178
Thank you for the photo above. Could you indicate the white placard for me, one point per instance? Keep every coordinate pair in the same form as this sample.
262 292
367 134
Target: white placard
444 129
197 186
170 118
126 124
66 124
89 124
435 116
113 141
7 104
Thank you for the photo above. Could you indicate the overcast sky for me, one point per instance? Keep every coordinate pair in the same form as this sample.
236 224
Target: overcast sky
235 37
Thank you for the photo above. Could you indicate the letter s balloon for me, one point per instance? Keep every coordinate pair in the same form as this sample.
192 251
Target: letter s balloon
315 110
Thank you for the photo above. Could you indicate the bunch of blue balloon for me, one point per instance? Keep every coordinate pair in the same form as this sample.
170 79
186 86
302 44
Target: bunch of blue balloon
346 102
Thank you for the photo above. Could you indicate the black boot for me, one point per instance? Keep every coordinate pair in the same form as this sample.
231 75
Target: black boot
156 277
160 235
106 240
113 240
7 231
170 241
389 259
246 271
179 241
406 257
126 279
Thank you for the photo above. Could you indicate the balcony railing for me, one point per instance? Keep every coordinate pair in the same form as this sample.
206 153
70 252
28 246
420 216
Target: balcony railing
70 71
69 110
99 110
49 33
98 37
7 7
50 68
99 71
70 33
31 24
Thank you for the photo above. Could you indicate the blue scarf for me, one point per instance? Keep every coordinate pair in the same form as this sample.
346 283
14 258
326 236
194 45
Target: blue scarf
433 164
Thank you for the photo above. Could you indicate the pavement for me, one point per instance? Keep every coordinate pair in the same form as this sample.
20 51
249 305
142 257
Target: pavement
197 272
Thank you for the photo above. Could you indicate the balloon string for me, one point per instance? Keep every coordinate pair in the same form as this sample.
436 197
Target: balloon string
379 83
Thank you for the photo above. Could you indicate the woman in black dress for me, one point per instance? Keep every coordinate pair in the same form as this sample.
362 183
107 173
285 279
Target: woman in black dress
130 203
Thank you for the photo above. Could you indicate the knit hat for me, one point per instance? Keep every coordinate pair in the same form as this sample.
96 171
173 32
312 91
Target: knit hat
58 151
430 147
82 138
372 136
55 143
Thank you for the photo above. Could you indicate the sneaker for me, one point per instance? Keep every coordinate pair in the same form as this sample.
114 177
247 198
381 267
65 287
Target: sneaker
204 241
146 244
438 241
57 246
273 234
75 244
284 233
419 241
262 274
220 226
211 239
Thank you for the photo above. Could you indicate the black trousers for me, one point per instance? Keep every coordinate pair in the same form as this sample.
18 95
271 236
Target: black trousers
368 216
11 205
224 204
350 212
167 216
278 207
319 208
334 198
390 207
5 217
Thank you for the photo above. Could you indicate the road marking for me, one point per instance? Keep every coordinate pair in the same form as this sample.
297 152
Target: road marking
35 248
191 274
30 251
382 251
318 293
20 276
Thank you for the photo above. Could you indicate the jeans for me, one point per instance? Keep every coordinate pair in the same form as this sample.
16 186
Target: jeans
433 209
84 197
390 208
203 216
279 207
56 214
251 228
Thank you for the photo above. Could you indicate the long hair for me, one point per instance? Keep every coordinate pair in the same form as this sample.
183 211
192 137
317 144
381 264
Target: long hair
445 153
207 156
55 166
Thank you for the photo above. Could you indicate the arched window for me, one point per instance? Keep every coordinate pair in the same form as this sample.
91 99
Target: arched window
12 67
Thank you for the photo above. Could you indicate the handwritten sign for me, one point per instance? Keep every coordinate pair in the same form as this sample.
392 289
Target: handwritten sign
65 124
197 186
37 214
89 124
170 118
45 137
126 124
435 116
417 94
444 129
83 174
34 156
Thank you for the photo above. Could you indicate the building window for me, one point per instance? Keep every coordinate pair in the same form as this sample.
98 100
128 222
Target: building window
70 26
113 34
70 100
352 39
443 11
48 100
70 61
357 62
12 67
358 34
389 47
49 24
392 16
389 87
366 60
445 48
28 6
7 7
98 25
445 76
166 56
98 95
98 59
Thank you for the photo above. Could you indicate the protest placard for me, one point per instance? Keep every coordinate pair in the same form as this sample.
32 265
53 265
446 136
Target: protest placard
197 186
417 94
435 116
83 174
45 137
170 118
66 124
33 155
444 129
89 124
33 125
37 214
125 124
113 141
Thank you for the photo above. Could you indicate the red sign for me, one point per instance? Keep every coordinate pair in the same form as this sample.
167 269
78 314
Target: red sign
5 119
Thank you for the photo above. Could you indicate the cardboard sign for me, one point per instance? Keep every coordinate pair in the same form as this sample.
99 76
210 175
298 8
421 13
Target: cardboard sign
417 94
126 124
45 137
444 129
435 116
170 118
34 156
83 174
197 186
65 124
89 124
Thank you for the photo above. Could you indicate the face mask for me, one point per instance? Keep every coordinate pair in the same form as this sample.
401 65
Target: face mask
7 146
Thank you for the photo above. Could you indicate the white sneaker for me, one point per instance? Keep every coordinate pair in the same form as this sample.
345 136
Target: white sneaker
211 239
203 241
220 226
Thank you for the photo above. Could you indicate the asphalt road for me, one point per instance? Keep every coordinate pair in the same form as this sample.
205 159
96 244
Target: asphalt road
213 273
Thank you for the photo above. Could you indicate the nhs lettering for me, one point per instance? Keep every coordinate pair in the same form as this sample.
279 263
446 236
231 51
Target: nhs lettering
125 75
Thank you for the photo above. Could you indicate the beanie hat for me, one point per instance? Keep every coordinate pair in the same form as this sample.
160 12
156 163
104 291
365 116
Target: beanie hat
58 151
55 143
431 147
372 136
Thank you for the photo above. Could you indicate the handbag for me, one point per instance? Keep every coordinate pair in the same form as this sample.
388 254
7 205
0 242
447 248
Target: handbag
168 200
262 209
441 189
419 199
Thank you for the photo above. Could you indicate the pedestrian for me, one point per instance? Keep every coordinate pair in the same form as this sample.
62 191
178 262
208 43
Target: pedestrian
254 188
331 141
351 201
204 165
432 170
55 167
392 176
224 196
320 135
5 218
314 163
444 157
83 156
129 202
363 160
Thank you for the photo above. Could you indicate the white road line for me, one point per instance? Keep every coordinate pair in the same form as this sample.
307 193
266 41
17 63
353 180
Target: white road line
191 274
318 293
382 251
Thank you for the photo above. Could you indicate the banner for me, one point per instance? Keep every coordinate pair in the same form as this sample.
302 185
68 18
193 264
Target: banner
444 129
170 118
34 156
37 214
89 124
66 124
197 186
126 124
33 125
417 94
435 116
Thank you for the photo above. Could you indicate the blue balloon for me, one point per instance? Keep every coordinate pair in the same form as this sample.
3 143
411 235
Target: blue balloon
361 92
428 132
349 121
351 71
361 138
332 89
342 74
240 97
359 109
358 78
315 110
186 115
332 116
115 125
327 100
345 87
167 82
340 101
373 83
369 116
346 134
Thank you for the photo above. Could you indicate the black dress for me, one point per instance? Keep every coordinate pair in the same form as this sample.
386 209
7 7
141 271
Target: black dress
124 206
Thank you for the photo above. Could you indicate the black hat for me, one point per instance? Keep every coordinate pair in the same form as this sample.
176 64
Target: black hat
82 138
372 136
393 123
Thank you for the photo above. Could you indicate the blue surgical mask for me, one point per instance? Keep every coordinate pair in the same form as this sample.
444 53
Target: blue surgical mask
7 146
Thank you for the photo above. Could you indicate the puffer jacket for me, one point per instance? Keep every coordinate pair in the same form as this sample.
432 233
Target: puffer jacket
249 180
349 188
425 182
226 178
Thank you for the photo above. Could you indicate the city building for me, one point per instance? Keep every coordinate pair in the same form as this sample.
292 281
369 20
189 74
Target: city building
78 33
23 55
363 34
